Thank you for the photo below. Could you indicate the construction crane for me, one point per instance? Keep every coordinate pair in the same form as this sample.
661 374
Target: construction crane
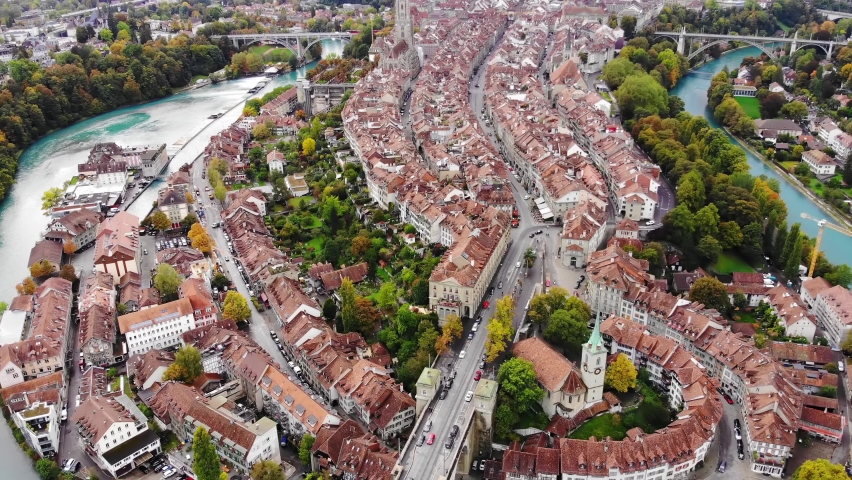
822 223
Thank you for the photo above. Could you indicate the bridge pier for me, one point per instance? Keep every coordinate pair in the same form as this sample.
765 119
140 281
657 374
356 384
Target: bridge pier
681 42
795 45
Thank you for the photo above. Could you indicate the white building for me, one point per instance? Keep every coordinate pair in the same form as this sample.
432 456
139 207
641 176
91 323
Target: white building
157 327
833 310
35 407
819 162
115 434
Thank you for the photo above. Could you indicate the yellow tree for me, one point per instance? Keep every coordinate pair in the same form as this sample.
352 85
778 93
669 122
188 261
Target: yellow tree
203 243
189 197
500 329
621 374
69 247
195 230
26 287
309 146
451 330
820 469
236 307
42 268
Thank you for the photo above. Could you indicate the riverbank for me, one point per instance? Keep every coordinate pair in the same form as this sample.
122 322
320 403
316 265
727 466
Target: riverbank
794 182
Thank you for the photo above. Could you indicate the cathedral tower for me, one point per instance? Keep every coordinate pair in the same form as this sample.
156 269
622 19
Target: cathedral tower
593 364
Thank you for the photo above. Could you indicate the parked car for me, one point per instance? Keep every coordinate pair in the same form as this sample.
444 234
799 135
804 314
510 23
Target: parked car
475 327
477 375
722 467
474 465
454 431
431 439
428 426
462 354
449 443
470 336
469 396
482 465
737 434
421 441
736 423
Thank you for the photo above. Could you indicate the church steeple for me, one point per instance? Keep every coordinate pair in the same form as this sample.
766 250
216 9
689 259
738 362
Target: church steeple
403 29
595 339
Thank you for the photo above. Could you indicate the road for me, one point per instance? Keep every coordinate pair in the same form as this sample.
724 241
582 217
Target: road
430 461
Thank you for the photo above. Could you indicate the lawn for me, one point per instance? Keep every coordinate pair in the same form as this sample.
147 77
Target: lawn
270 51
261 49
383 274
784 27
789 165
751 106
315 224
316 243
729 262
606 425
296 202
745 317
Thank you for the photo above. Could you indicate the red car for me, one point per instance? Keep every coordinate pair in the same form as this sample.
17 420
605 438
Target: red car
728 399
431 439
477 375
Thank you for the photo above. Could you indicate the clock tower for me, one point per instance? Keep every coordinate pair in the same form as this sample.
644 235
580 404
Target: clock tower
593 364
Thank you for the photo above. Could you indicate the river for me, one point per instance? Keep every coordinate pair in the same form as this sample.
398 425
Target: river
54 159
693 90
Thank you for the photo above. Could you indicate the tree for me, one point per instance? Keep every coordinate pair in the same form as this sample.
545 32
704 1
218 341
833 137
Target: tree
186 367
309 146
518 384
500 328
205 462
68 273
847 170
329 309
828 392
711 292
167 280
615 72
26 287
200 239
3 307
841 275
360 244
831 367
235 307
529 258
386 297
740 300
69 247
566 328
305 448
160 221
267 470
51 198
730 235
261 132
846 346
42 268
791 270
820 469
82 35
347 305
795 110
190 219
451 331
367 315
709 248
220 192
621 374
641 93
47 469
220 281
543 305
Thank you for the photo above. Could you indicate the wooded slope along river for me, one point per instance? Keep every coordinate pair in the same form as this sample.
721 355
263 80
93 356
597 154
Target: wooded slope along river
54 159
693 90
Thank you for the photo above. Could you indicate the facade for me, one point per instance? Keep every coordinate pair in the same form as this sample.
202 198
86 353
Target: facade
561 379
173 202
183 409
114 433
819 162
78 227
157 327
204 308
117 248
612 272
34 406
833 307
48 251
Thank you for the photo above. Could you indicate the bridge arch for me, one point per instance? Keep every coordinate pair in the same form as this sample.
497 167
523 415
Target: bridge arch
318 40
804 44
761 46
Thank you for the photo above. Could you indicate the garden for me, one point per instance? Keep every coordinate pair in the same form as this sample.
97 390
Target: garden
650 415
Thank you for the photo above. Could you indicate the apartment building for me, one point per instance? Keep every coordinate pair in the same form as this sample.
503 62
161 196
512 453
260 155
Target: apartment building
204 309
35 408
78 227
157 327
114 433
792 311
96 309
833 307
612 272
117 248
819 162
45 349
183 409
347 451
173 202
147 368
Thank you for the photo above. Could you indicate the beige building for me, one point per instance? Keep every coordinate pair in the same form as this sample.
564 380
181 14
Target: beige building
173 202
117 248
157 327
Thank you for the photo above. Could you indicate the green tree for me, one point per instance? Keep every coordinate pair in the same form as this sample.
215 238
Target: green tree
791 269
187 365
529 257
621 374
205 462
680 223
828 392
305 448
615 72
347 305
329 309
846 346
567 328
730 235
847 170
518 384
220 192
709 248
236 307
105 35
711 292
707 222
690 191
160 221
267 470
167 280
841 275
795 110
386 297
51 198
820 469
831 367
641 94
790 241
47 469
740 300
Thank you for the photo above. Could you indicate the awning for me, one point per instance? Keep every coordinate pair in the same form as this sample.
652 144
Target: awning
545 211
540 201
144 457
263 296
546 215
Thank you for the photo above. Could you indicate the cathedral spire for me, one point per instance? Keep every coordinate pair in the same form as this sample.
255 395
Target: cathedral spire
403 29
595 339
